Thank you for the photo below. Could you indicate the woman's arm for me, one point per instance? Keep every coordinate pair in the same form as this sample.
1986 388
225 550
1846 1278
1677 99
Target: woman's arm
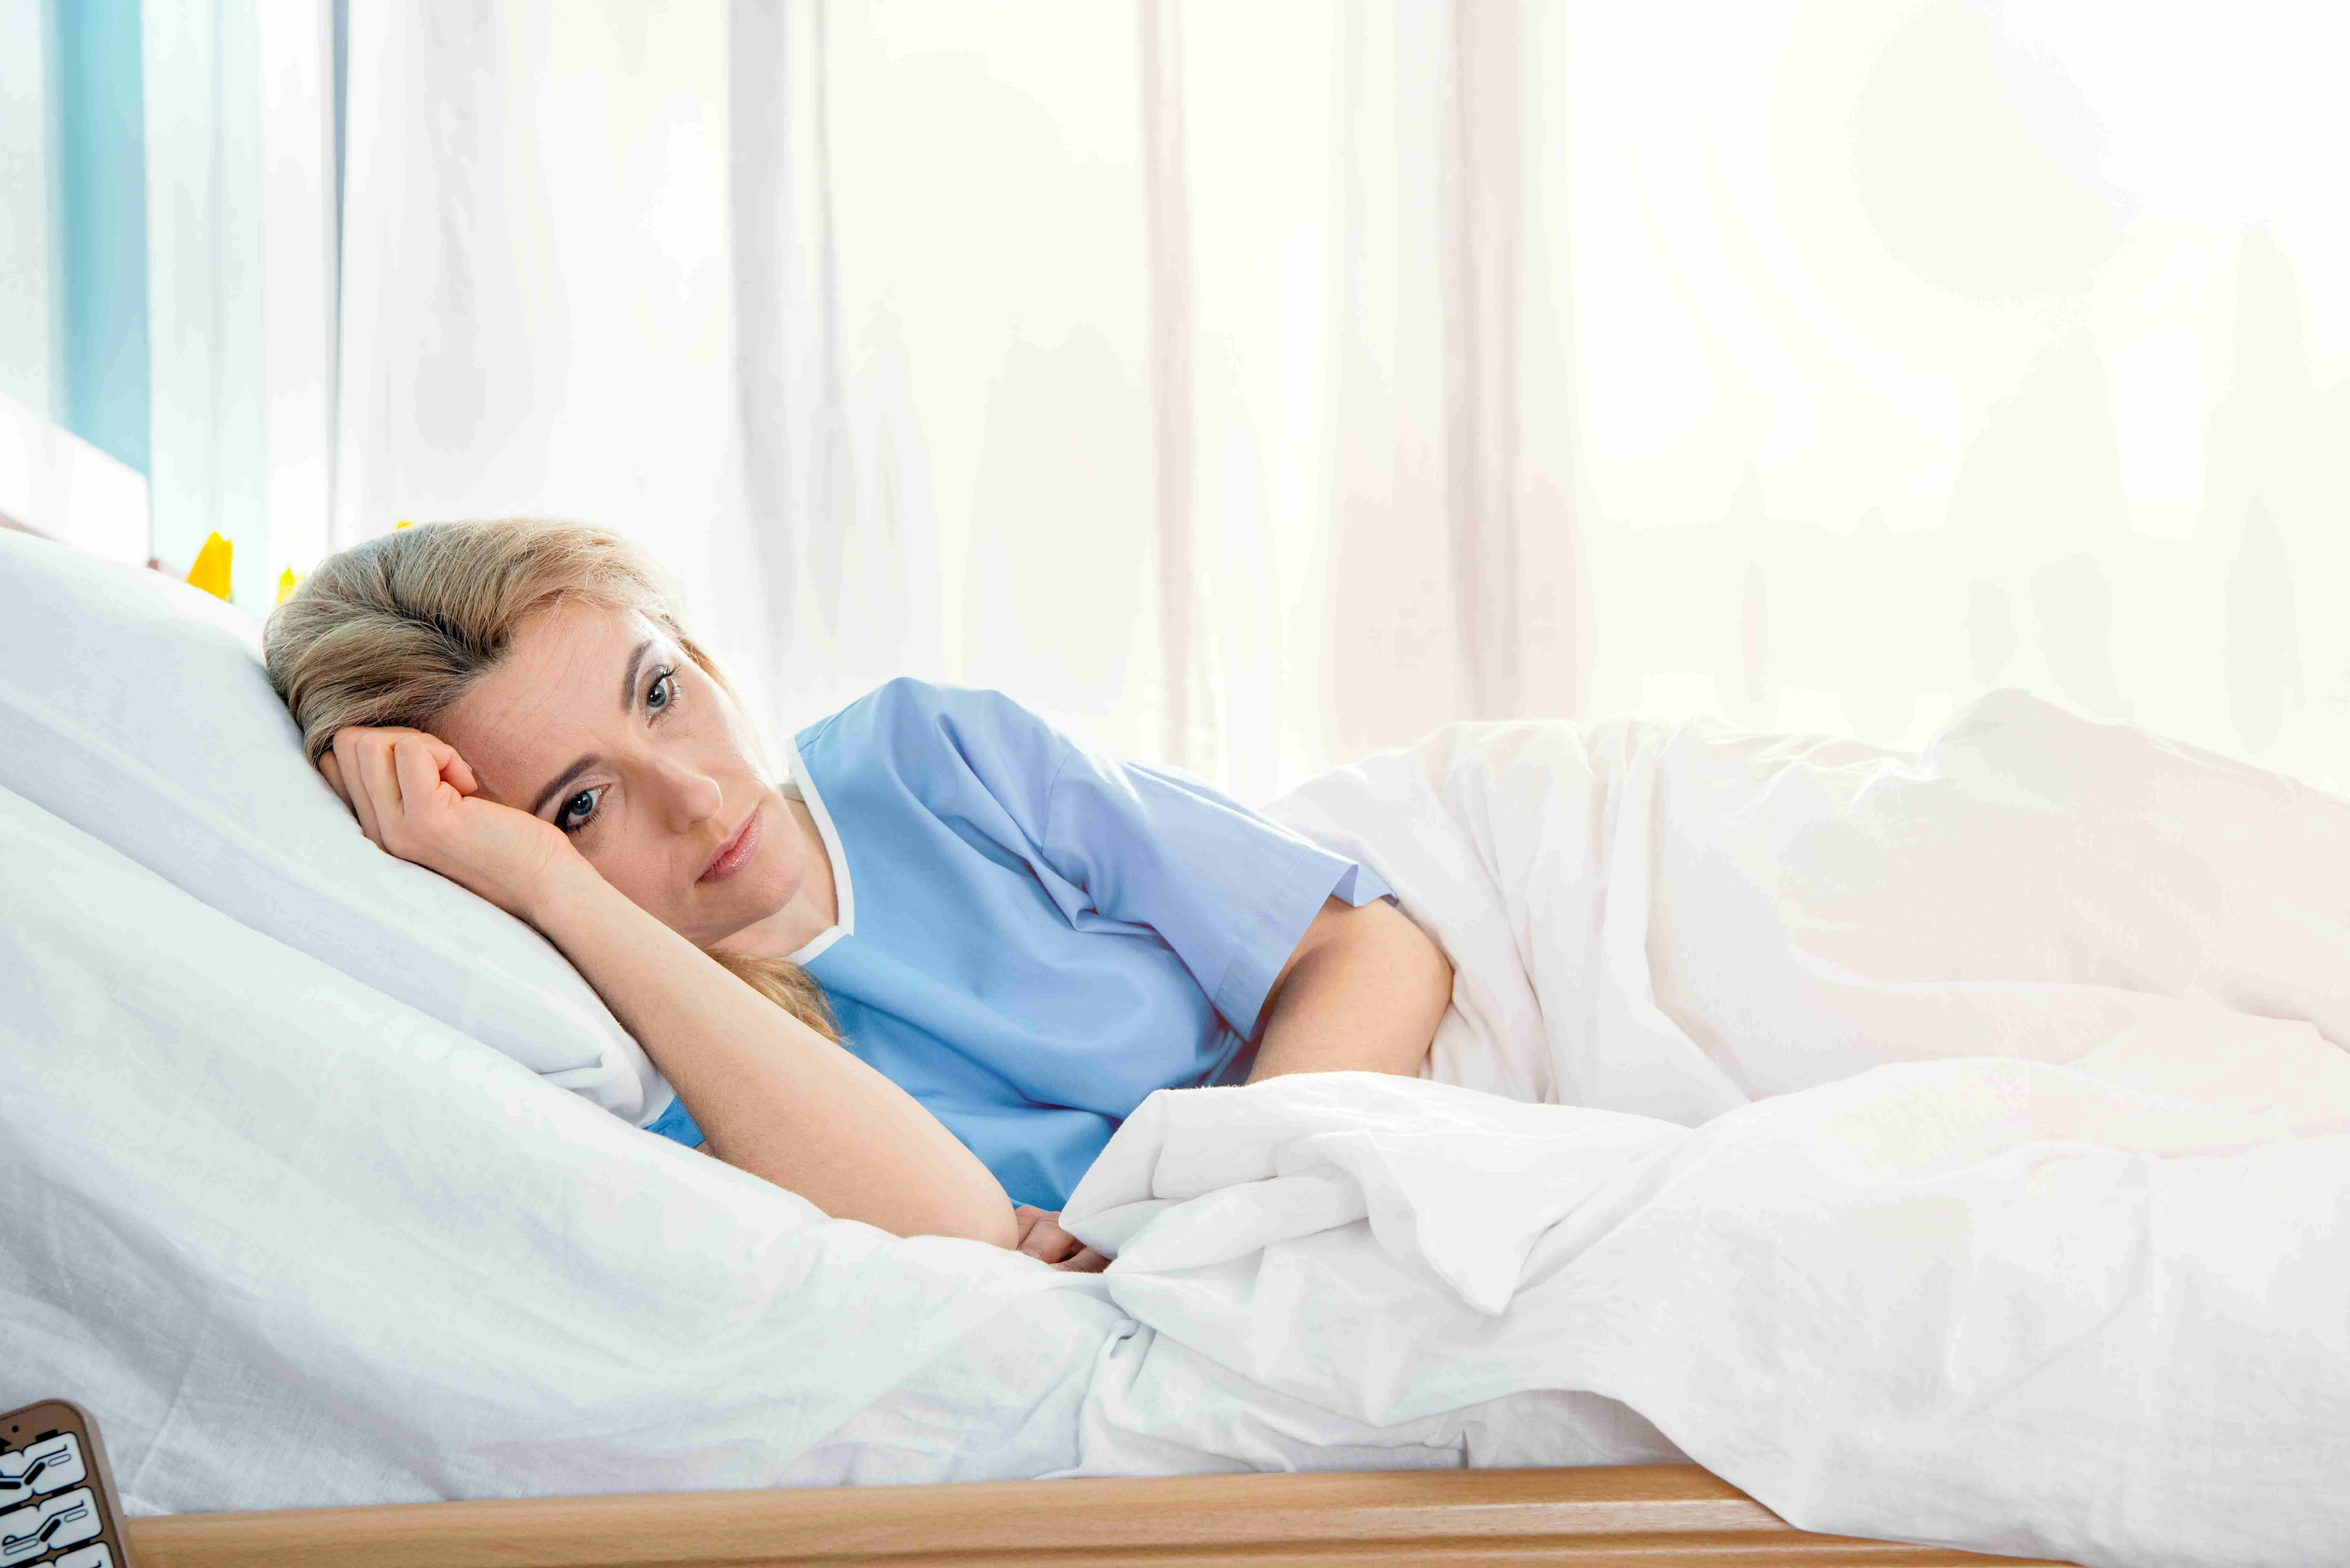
1365 989
772 1097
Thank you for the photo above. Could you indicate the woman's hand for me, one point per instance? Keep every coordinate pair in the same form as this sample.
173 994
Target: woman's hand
1041 1236
414 796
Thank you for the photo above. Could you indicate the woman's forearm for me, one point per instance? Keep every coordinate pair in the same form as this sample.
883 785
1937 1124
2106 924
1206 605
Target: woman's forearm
1365 991
771 1095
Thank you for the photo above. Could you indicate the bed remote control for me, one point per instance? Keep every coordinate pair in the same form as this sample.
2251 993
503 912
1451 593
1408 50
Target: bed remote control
57 1496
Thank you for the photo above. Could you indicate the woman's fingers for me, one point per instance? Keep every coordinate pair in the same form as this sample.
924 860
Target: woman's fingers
450 768
409 790
332 772
379 782
419 765
1042 1237
348 745
1047 1241
458 772
381 772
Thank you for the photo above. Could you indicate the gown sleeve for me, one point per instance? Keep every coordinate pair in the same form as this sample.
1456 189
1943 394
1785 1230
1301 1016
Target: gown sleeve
677 1123
1140 844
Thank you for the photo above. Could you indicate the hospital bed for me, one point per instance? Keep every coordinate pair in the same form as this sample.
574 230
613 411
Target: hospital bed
678 1515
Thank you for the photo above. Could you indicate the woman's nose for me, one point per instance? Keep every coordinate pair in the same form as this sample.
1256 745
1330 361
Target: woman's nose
692 796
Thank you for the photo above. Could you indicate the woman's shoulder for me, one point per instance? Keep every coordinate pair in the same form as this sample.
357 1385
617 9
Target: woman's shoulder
959 754
909 722
908 699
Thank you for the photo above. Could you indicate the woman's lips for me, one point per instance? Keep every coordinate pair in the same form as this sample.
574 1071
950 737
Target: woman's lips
736 852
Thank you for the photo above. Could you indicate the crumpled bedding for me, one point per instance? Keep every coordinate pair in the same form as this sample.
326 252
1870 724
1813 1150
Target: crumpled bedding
1957 1147
1993 1304
1677 920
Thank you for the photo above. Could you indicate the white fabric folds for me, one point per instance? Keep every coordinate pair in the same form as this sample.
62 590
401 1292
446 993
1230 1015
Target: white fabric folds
1675 921
1954 1148
296 1244
2084 1312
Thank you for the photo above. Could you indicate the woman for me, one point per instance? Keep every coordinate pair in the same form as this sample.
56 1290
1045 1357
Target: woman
1021 939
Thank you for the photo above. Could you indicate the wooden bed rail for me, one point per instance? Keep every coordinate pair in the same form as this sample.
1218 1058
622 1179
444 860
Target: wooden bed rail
1655 1516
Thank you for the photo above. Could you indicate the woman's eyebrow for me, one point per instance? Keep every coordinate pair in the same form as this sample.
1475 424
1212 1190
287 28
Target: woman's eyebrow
573 771
629 682
628 704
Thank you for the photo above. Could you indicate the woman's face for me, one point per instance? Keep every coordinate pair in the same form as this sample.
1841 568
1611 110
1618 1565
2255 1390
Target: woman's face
597 721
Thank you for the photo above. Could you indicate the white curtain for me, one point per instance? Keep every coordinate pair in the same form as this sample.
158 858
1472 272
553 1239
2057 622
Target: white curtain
1253 386
1931 346
240 281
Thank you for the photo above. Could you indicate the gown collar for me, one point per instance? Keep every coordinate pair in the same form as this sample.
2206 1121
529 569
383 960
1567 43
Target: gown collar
844 894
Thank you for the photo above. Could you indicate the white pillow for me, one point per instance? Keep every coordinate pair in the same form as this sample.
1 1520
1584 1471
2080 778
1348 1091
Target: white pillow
136 708
298 1246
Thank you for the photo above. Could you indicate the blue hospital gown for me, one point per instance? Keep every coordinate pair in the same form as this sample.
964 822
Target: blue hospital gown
1033 938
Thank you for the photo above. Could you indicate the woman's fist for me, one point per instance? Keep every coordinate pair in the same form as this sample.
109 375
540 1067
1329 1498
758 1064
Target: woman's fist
414 796
1041 1236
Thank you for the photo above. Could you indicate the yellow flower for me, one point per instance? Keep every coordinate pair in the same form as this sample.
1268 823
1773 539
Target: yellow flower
211 571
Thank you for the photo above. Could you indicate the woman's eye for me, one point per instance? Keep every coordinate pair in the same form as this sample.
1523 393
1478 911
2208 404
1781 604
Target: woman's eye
577 811
664 691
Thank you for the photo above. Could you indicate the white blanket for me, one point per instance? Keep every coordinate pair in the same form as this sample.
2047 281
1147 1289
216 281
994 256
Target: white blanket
2068 1274
1675 920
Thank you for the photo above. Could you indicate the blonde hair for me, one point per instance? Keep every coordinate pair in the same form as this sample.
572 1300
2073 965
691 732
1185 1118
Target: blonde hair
392 631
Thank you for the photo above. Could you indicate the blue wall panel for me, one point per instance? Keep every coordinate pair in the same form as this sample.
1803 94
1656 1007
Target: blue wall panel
102 243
